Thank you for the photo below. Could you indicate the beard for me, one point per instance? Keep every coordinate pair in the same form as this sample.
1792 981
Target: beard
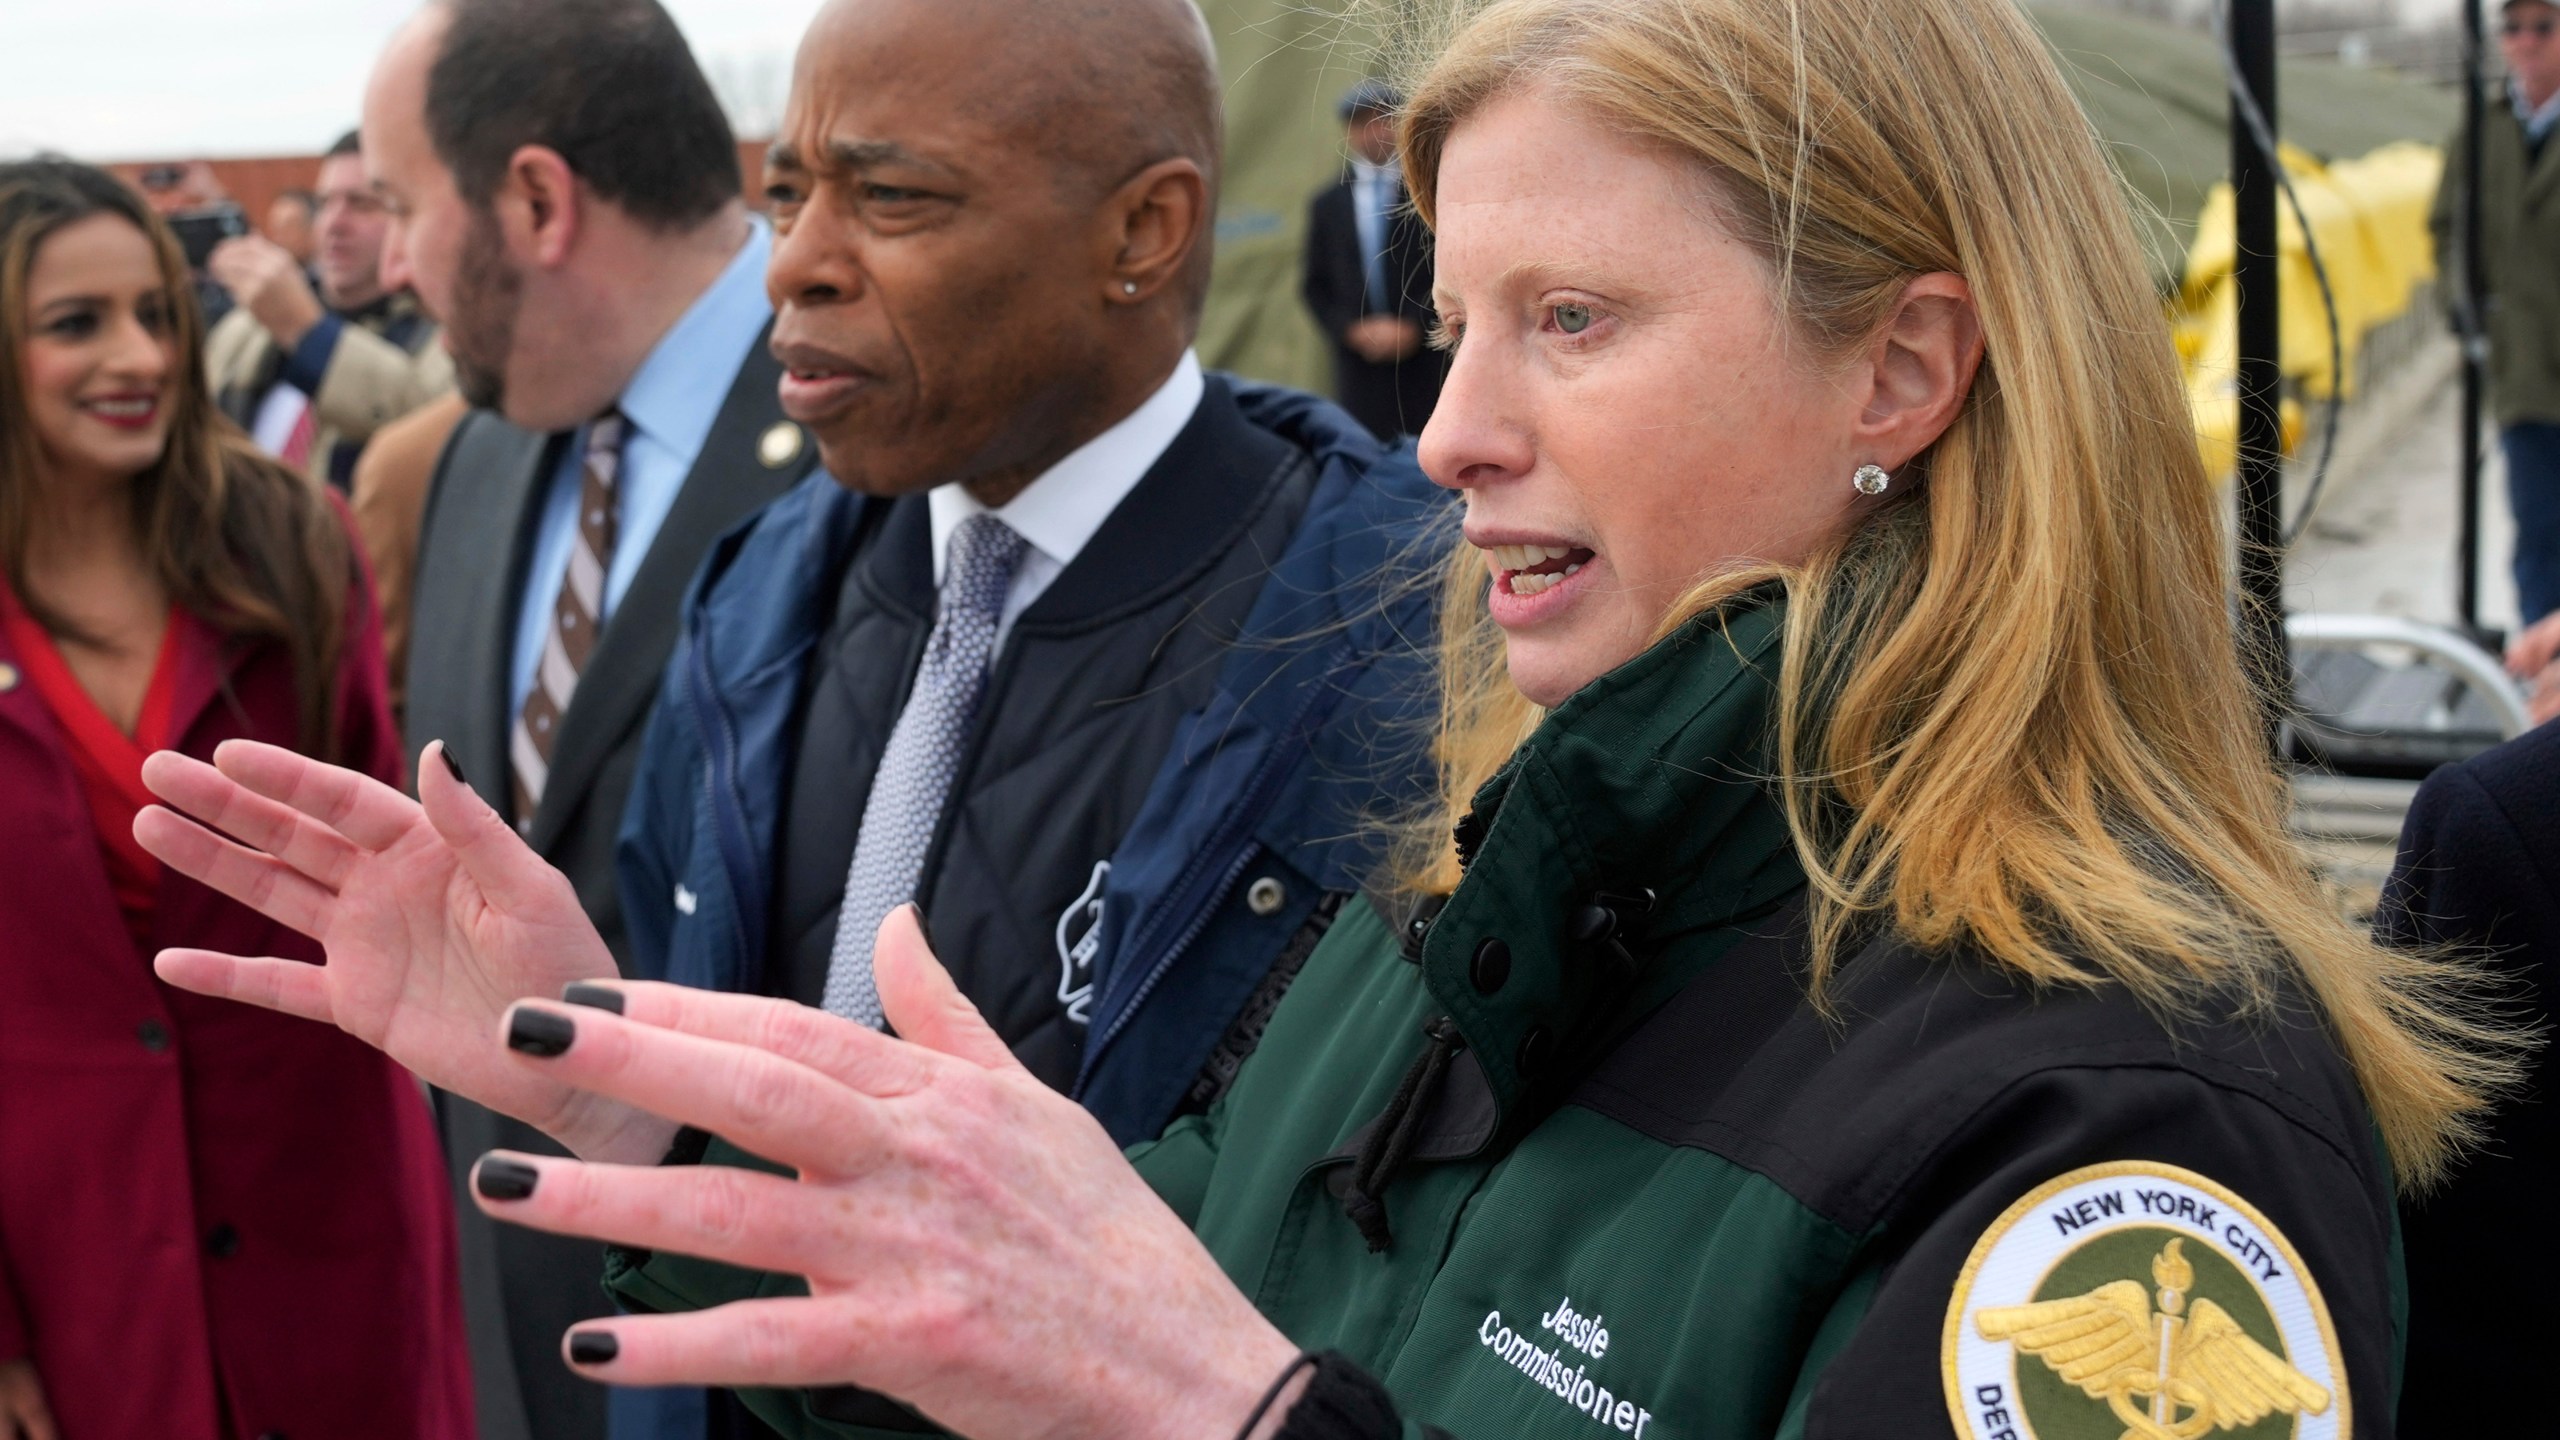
487 293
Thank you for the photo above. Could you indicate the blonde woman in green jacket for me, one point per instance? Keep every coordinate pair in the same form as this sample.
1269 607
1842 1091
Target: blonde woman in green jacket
1859 983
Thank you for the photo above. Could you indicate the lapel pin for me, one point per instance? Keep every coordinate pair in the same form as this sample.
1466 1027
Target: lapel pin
8 677
780 445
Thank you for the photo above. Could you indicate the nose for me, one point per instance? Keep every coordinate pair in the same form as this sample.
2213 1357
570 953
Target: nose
816 261
1480 430
141 355
395 257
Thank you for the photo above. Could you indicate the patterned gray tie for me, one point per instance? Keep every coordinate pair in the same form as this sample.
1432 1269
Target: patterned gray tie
914 778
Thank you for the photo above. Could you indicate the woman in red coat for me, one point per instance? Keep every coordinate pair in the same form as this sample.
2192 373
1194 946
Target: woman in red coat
216 1223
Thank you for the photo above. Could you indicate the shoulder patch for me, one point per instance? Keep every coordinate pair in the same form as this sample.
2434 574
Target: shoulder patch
2139 1301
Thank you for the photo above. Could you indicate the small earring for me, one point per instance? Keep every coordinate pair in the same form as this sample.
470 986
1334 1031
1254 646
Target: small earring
1871 480
1129 287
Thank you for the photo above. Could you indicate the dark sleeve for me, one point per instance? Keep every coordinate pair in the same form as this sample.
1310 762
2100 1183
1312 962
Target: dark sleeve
1881 1364
2479 864
1345 1402
307 364
1333 302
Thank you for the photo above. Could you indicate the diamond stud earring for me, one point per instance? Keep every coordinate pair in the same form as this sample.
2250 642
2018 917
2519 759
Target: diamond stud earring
1871 480
1128 287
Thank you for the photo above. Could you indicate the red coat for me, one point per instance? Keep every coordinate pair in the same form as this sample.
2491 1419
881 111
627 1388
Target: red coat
215 1221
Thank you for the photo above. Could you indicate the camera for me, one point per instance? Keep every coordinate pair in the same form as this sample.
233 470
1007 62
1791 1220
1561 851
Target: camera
199 231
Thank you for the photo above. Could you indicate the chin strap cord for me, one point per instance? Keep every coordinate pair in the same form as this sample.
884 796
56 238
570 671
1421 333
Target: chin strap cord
1398 1127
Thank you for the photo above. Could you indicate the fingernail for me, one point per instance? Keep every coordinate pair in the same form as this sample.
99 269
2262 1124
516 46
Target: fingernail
540 1032
499 1178
592 1347
452 766
592 995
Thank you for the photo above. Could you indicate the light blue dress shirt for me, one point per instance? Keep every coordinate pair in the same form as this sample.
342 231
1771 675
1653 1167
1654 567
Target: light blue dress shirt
669 405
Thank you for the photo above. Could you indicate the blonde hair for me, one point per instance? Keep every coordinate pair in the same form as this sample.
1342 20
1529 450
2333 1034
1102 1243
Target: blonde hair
2011 713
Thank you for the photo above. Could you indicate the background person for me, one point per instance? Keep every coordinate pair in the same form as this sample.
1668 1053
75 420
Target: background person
1367 276
2519 235
2479 868
173 1260
1743 423
565 195
311 374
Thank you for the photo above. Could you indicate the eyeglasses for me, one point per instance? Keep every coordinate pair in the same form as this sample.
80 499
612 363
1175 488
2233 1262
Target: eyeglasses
2538 29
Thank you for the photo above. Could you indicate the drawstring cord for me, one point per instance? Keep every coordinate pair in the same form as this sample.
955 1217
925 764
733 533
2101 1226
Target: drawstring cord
1598 929
1399 1126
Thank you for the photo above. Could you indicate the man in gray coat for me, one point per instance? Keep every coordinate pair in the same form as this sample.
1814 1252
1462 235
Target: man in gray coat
566 193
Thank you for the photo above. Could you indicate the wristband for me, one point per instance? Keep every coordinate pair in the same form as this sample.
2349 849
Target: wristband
1271 1396
1344 1402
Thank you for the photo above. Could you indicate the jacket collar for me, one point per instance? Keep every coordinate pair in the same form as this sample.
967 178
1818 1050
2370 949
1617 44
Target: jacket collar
1202 493
1639 810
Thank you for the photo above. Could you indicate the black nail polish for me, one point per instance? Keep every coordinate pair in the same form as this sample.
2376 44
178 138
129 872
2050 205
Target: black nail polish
452 766
592 1347
542 1033
502 1179
592 995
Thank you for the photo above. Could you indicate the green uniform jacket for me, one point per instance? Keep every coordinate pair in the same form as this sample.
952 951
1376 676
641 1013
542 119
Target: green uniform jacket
1651 1191
2519 257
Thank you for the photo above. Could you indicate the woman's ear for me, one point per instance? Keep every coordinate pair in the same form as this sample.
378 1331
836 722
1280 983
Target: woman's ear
1919 369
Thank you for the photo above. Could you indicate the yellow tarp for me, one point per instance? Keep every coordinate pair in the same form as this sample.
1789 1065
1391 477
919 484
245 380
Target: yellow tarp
2369 216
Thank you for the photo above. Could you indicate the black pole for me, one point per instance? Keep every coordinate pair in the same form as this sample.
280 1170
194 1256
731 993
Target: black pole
2259 485
2473 335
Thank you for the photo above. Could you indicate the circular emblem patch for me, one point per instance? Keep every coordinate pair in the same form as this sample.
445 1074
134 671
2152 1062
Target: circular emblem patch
2140 1301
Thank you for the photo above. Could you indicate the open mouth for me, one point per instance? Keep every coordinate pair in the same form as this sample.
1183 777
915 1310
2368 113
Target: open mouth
125 411
1525 570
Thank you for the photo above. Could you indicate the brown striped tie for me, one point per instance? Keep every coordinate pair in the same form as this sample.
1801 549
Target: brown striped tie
577 620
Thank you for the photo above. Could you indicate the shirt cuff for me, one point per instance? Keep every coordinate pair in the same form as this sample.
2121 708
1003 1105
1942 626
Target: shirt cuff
308 365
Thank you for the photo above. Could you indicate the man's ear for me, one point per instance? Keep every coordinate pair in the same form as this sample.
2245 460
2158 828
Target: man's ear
1156 220
1918 370
539 206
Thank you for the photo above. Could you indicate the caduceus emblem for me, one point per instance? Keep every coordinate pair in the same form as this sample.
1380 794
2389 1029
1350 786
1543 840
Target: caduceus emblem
2172 1374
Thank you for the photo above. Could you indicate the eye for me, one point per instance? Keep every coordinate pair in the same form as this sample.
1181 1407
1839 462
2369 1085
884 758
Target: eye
890 194
1573 319
1445 333
78 325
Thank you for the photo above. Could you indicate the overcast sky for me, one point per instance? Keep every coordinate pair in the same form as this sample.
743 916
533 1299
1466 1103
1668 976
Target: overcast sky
148 79
155 79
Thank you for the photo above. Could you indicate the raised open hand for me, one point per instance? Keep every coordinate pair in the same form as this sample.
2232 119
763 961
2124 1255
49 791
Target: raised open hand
434 917
973 1242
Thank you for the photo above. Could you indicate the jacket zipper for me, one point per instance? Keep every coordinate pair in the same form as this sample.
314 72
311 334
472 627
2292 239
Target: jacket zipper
728 822
1201 904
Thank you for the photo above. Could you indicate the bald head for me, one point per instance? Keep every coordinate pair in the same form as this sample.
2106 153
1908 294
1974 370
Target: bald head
1099 89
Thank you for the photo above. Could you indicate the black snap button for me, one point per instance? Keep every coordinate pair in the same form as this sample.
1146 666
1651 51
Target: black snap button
222 1242
153 1035
1492 967
1535 1047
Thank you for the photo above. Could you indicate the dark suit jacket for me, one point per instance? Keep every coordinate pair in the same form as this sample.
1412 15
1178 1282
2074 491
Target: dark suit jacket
521 1288
2480 867
1392 399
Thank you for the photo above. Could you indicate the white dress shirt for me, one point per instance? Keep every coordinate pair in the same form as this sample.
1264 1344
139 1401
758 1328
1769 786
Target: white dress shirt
1059 512
1375 191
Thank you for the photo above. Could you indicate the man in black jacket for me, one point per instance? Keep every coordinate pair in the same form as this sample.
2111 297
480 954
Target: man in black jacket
1368 277
565 192
2480 868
